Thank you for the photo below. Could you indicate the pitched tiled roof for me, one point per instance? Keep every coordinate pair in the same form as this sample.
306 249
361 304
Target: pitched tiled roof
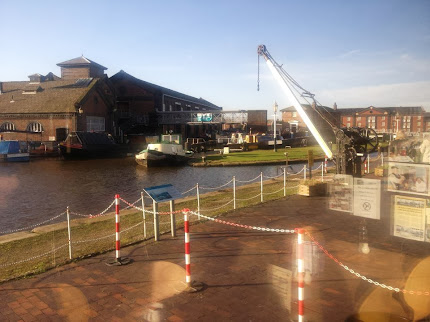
54 97
152 87
80 61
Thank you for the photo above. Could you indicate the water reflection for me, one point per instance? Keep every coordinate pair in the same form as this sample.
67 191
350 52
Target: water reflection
36 191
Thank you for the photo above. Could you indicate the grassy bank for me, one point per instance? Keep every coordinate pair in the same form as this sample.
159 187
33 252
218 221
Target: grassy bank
46 247
260 156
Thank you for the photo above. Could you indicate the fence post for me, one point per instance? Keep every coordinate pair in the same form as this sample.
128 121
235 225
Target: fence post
261 189
382 158
300 273
304 172
285 182
69 232
172 218
117 230
322 171
156 221
198 200
368 164
325 164
234 192
143 215
187 248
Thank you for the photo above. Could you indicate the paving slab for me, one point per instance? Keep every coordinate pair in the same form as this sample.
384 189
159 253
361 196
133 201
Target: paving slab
248 275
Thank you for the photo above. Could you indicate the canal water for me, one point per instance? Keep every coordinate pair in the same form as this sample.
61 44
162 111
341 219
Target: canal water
33 192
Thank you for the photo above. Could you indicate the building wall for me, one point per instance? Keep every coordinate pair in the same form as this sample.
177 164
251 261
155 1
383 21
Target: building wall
75 73
49 122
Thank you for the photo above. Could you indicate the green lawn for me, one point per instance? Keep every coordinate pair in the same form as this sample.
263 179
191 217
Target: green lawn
264 155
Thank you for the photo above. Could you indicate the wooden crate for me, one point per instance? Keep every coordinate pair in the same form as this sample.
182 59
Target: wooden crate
319 189
380 172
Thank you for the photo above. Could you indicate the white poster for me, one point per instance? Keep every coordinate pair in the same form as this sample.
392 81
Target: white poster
409 217
367 198
341 193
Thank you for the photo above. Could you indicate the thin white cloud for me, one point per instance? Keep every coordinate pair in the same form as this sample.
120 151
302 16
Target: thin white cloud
349 53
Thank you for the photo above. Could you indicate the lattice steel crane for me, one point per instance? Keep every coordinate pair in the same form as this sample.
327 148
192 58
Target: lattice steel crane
353 144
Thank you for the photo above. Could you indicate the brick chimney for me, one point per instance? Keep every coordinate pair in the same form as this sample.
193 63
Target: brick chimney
335 106
1 88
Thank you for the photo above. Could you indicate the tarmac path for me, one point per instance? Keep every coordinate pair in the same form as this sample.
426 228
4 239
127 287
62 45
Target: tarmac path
248 275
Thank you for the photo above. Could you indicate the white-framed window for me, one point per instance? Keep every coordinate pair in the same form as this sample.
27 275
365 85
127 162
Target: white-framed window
348 118
358 118
294 114
348 124
35 127
95 124
419 117
359 124
383 124
8 126
383 118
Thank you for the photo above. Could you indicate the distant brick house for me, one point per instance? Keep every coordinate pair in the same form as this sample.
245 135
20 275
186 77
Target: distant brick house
412 119
293 123
47 108
409 119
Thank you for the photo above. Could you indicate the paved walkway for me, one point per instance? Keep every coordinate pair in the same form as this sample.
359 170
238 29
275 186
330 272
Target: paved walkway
242 271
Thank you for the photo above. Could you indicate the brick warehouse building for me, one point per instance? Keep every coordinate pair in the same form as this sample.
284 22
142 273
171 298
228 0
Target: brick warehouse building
412 119
47 108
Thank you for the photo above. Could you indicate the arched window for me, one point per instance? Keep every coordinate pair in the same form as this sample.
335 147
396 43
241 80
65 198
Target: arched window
7 126
34 127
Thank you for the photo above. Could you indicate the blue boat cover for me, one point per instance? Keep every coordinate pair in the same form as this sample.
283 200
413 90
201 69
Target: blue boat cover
9 147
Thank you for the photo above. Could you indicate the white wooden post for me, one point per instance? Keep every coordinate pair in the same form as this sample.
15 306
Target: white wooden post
172 218
156 221
322 171
234 192
143 215
285 182
304 172
261 190
69 232
198 201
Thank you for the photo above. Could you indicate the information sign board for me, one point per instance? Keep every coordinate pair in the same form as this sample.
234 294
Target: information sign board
163 193
367 198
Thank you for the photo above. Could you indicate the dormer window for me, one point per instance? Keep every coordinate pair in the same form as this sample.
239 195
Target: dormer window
32 89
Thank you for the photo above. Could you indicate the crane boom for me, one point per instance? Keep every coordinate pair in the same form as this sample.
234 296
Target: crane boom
282 77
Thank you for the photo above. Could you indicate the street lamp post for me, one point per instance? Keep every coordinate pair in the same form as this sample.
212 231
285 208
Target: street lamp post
275 109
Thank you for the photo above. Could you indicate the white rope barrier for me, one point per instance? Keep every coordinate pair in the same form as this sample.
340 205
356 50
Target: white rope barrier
32 226
94 239
276 230
272 193
246 181
34 257
189 190
268 177
212 209
248 198
213 188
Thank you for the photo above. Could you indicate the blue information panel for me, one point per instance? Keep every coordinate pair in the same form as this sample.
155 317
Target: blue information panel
163 193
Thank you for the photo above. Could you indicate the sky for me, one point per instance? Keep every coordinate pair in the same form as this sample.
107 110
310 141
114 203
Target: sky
355 53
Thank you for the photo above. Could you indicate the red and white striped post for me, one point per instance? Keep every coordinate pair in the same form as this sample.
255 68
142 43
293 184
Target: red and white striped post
300 273
325 164
117 230
365 166
187 248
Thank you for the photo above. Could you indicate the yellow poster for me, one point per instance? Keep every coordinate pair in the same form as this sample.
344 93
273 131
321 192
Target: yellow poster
409 217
